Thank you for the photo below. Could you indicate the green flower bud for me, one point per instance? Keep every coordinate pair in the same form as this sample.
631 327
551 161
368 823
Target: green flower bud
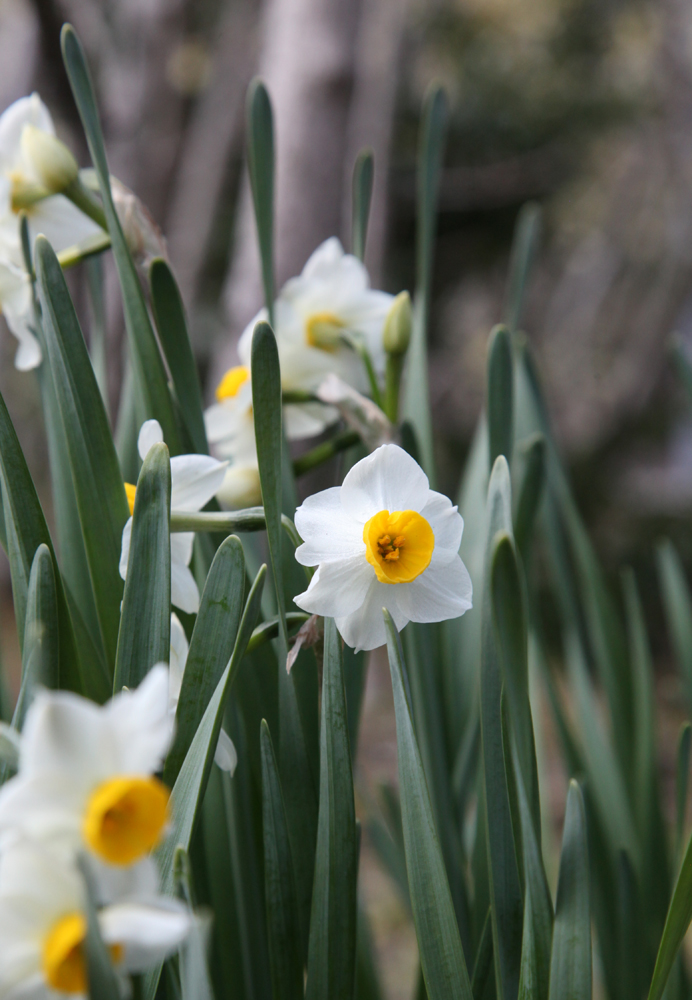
397 326
54 164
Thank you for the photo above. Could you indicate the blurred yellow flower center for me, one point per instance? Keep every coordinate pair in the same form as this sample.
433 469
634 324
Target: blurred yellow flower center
63 960
324 330
24 193
130 491
125 817
230 384
399 546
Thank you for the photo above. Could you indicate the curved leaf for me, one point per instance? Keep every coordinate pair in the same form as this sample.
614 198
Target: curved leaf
500 394
361 195
260 156
570 964
41 652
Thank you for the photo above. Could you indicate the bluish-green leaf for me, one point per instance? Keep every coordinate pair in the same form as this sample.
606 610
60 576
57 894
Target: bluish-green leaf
682 783
150 374
103 983
361 195
677 605
530 491
500 394
570 964
283 927
524 245
169 314
332 950
41 652
260 155
211 645
98 486
439 944
145 622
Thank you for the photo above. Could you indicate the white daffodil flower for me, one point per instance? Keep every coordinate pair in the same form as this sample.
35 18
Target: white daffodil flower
22 180
86 772
194 481
43 925
231 433
226 756
330 300
382 540
17 307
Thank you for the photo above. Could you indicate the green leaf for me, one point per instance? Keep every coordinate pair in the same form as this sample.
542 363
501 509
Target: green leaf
211 645
150 374
41 652
439 944
570 964
169 315
97 327
504 881
417 396
332 951
145 623
25 531
500 394
682 783
260 156
103 983
677 605
530 491
361 195
283 928
526 237
98 485
681 362
483 965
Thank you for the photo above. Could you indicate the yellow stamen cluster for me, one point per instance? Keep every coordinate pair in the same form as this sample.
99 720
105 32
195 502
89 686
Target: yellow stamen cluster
130 491
324 330
63 961
125 818
398 545
230 384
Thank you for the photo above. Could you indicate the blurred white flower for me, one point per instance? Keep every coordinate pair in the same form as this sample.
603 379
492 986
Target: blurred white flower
382 540
226 756
43 925
17 307
330 300
194 481
231 433
86 772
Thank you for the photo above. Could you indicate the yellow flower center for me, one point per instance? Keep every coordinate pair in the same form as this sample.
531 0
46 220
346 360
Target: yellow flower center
63 961
24 193
130 491
125 817
324 330
230 384
399 546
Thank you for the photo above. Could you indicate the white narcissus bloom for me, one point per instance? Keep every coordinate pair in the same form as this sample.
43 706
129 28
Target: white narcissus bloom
86 772
226 756
17 307
43 924
231 433
194 481
331 299
382 540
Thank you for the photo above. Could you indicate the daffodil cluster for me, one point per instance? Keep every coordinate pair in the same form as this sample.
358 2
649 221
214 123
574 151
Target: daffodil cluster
86 790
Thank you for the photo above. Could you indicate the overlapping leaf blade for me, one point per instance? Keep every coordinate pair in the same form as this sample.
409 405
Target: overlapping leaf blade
41 652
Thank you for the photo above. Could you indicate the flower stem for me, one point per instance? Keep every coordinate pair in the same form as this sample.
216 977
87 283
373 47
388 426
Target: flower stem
395 366
322 452
298 396
80 196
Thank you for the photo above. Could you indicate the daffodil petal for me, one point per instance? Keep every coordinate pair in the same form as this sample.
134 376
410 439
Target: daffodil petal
184 590
125 548
388 479
26 111
148 933
337 588
60 222
140 724
226 755
194 480
364 628
150 434
327 531
440 593
179 651
447 525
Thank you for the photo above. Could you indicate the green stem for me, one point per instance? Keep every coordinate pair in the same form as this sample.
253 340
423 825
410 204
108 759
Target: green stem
395 366
323 452
270 630
357 345
87 248
80 196
230 522
298 396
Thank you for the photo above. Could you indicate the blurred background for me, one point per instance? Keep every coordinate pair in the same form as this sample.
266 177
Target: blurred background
582 105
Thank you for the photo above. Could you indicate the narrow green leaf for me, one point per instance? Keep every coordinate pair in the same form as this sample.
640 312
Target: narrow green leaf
97 328
332 950
283 927
25 531
570 965
150 374
103 983
145 623
526 237
500 394
41 652
682 784
127 425
417 396
211 645
98 485
530 491
260 155
169 315
442 957
483 966
677 605
361 194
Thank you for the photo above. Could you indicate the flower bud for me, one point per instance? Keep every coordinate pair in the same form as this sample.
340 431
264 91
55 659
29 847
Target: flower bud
53 163
240 487
397 326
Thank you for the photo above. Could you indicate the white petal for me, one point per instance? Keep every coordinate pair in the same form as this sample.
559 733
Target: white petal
60 222
184 590
147 932
226 755
441 592
364 628
115 883
26 111
245 342
337 588
179 651
324 260
125 548
389 479
308 419
194 480
240 488
65 732
140 724
447 525
46 807
150 434
327 531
